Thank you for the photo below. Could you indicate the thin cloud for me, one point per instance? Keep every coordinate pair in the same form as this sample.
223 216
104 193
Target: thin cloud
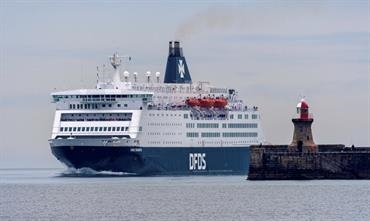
284 19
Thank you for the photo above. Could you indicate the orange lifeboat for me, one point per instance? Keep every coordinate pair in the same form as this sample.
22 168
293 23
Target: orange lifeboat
192 102
220 102
207 102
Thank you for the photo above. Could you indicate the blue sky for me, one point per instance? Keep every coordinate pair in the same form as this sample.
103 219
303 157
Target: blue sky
272 51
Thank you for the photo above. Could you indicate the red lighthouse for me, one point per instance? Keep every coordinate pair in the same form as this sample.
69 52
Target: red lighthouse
302 136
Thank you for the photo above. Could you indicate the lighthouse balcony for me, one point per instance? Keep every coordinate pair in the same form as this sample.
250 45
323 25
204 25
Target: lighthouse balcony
298 116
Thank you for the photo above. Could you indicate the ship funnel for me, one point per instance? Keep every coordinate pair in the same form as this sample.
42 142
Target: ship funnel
176 69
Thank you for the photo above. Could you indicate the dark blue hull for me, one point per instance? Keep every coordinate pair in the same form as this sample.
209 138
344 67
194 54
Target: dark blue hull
147 161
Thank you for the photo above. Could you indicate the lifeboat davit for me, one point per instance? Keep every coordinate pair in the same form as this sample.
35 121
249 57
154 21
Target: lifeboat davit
220 102
192 102
207 102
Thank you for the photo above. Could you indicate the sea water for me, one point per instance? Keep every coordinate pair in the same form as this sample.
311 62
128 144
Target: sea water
57 194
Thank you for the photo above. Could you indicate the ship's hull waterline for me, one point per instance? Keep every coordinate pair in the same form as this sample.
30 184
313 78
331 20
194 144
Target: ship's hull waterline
149 161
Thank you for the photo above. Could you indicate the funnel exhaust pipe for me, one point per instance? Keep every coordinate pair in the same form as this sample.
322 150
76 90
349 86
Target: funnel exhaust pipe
176 69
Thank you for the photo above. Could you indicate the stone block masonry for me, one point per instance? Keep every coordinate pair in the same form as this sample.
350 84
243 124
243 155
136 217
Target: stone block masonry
275 162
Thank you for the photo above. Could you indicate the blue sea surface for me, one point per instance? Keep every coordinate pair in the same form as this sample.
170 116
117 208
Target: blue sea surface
56 194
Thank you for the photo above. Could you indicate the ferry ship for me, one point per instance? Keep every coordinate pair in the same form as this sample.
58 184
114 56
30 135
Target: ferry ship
174 127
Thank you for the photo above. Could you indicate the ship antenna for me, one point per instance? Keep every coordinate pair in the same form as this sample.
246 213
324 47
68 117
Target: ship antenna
148 74
103 72
135 76
97 74
115 61
157 74
126 74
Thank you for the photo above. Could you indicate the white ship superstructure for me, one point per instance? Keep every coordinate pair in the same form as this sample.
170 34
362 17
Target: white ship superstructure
156 114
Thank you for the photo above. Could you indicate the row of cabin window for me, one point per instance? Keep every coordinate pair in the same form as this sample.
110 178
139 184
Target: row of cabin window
215 125
207 142
153 115
92 106
87 129
106 96
172 142
165 124
240 134
207 125
241 125
219 90
227 142
96 117
164 134
210 134
83 106
228 134
190 125
240 116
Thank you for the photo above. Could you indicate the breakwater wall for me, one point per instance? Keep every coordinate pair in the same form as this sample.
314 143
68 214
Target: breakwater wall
275 162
